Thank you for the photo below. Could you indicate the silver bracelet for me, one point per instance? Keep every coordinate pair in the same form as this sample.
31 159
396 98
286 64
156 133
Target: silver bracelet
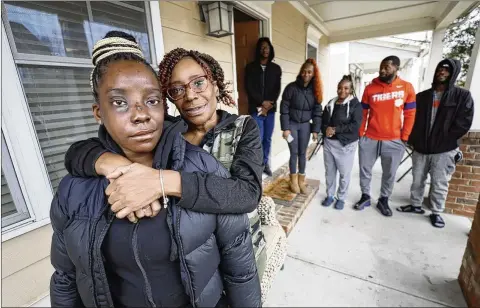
165 199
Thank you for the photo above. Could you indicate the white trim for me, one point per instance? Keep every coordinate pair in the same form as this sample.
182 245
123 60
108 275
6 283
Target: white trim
24 228
234 65
453 11
22 142
128 6
157 35
10 175
379 30
474 61
311 15
251 8
313 31
157 29
313 44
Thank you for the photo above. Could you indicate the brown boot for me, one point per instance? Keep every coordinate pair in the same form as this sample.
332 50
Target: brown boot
294 183
301 183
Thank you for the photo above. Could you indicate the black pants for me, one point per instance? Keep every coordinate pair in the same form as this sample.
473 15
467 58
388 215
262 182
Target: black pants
298 147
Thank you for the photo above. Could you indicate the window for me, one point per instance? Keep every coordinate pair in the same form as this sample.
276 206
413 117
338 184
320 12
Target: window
14 208
311 52
51 45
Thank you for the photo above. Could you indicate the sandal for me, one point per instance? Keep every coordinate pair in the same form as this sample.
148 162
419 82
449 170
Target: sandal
437 221
411 209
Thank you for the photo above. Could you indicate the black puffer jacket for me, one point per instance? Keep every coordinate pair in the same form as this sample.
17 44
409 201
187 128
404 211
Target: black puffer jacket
453 119
300 105
215 251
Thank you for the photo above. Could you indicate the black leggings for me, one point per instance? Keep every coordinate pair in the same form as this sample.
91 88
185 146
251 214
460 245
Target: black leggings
298 147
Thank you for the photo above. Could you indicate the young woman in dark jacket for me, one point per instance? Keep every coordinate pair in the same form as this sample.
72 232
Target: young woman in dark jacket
341 121
178 258
301 104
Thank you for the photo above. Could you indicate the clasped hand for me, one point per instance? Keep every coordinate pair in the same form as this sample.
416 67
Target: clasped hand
134 191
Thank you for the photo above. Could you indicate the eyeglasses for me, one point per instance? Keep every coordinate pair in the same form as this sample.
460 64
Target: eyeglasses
197 85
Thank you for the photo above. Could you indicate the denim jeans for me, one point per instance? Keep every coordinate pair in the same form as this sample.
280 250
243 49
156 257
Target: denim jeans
266 125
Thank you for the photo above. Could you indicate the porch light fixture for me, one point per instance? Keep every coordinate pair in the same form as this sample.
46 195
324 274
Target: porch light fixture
218 15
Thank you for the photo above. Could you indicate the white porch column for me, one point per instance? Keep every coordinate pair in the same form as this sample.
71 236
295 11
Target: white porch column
473 80
436 52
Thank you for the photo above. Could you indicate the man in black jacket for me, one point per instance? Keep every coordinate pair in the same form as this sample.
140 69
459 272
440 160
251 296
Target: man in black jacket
263 85
444 115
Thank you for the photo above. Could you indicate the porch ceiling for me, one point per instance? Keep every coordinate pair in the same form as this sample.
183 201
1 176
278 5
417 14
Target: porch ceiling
353 20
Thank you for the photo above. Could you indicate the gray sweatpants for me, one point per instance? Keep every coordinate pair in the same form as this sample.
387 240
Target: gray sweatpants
338 158
441 168
391 154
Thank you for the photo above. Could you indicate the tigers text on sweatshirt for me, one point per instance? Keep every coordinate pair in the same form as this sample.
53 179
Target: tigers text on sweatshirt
383 106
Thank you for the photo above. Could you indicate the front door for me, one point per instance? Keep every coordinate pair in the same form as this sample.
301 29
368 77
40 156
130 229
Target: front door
247 34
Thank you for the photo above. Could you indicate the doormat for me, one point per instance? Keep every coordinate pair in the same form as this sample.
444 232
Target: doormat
280 189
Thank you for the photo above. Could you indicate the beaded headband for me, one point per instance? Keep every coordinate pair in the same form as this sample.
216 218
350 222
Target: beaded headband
112 45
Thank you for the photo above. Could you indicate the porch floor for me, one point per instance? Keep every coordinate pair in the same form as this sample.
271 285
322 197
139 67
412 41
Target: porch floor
350 258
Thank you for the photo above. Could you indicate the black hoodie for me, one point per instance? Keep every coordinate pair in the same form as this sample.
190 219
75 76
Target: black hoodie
453 119
262 85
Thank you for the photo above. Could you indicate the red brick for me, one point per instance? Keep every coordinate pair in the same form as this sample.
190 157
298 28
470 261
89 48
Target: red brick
469 188
465 169
460 194
460 181
454 205
470 176
472 162
453 187
457 175
448 211
463 213
471 208
464 147
451 199
469 141
474 244
475 183
474 148
476 170
467 201
469 155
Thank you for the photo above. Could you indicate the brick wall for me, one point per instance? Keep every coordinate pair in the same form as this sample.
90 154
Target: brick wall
464 187
469 277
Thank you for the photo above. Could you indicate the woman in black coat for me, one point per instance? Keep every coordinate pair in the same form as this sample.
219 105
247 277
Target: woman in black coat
178 258
301 104
340 125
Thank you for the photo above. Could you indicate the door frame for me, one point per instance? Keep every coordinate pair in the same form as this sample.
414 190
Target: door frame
265 18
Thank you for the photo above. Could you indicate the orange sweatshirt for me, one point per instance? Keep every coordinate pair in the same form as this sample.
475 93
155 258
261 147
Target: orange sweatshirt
383 105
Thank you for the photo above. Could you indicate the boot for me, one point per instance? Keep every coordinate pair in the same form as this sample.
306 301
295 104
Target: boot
294 183
301 183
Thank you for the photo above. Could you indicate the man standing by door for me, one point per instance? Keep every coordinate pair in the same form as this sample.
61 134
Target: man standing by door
444 115
382 133
263 85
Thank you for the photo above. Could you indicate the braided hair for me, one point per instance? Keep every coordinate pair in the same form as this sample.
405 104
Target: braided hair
115 46
211 67
317 79
348 78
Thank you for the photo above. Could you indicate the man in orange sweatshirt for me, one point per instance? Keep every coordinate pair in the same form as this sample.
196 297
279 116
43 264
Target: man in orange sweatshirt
383 132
